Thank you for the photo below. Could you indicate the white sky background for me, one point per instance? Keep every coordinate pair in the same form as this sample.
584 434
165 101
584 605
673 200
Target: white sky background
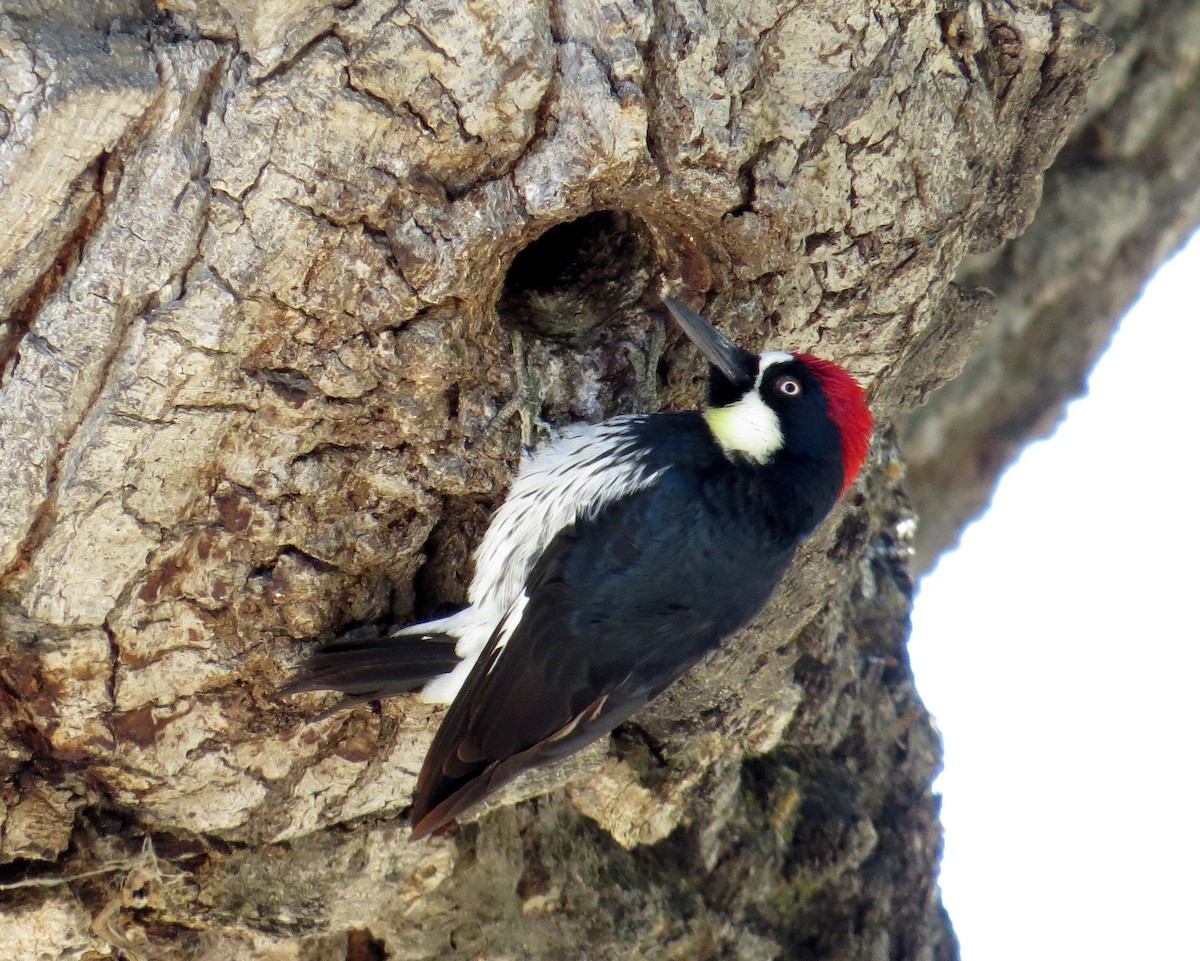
1059 648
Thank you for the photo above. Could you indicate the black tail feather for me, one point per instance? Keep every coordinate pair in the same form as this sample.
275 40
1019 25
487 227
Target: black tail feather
369 663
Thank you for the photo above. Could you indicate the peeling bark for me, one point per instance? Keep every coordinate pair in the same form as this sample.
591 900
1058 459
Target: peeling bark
260 300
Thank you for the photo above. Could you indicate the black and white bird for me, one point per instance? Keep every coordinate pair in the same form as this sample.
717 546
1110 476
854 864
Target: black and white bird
625 551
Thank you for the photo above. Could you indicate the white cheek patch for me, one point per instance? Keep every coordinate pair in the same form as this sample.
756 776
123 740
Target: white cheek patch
749 427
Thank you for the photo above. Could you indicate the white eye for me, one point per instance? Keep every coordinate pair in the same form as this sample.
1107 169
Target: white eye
788 386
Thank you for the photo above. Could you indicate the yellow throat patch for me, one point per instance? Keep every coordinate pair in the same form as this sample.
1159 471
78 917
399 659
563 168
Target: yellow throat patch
748 428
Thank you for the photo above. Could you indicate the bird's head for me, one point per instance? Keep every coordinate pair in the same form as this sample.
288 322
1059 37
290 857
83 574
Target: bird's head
763 405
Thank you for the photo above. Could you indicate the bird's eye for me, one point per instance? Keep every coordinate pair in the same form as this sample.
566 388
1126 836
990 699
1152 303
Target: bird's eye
788 386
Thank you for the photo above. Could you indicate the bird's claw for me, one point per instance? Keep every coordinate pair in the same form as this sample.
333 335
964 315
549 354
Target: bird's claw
531 393
644 361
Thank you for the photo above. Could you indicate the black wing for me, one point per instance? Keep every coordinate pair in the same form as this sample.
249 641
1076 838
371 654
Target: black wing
618 607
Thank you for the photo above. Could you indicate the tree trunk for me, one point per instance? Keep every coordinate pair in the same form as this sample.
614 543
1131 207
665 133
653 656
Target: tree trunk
262 265
1122 196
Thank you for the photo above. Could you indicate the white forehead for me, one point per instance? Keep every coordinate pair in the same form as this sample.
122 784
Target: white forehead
770 359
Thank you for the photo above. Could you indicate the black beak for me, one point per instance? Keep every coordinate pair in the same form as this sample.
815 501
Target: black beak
739 366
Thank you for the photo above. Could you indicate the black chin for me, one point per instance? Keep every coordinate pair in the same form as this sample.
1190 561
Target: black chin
722 391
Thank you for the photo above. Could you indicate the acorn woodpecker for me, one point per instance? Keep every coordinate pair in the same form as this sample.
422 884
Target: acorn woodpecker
625 551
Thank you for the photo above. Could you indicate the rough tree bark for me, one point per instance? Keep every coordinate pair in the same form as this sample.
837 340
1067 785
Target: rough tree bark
1123 195
261 265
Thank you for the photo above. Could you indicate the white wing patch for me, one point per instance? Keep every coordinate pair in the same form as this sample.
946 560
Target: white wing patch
507 626
574 478
444 688
588 467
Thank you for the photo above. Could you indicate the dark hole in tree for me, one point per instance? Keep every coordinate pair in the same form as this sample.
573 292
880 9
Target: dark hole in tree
361 945
578 275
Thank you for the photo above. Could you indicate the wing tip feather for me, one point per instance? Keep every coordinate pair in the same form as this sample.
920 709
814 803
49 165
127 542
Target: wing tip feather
426 820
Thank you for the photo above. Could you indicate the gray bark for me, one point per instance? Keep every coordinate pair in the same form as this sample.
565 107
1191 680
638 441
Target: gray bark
255 272
1123 195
